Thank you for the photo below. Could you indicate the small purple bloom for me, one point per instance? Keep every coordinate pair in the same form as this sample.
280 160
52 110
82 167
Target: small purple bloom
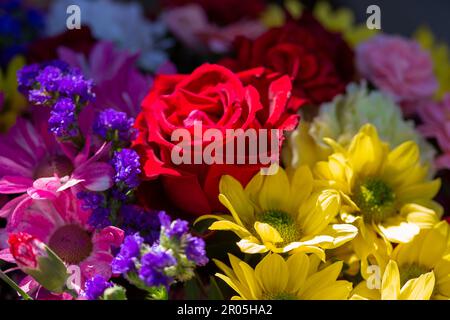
136 219
127 166
91 200
49 78
95 287
39 96
110 121
99 218
195 250
26 77
74 84
153 265
63 120
129 251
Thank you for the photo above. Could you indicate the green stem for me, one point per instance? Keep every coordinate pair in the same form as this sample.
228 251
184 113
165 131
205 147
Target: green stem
14 285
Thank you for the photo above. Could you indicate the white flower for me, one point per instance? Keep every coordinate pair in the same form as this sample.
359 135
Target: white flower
342 118
122 23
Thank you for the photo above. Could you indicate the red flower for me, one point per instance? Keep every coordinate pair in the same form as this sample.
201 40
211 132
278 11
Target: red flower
24 248
219 99
319 62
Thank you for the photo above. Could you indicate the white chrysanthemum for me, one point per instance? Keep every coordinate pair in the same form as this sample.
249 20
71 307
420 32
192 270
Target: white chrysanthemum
122 23
342 118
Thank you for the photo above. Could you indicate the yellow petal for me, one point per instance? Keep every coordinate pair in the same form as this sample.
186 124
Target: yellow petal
230 226
233 191
272 274
390 284
420 288
267 233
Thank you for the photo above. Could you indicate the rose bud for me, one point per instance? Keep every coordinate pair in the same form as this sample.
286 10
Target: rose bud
37 260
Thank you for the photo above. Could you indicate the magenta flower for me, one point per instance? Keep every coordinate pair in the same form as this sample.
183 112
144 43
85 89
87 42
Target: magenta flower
398 67
63 226
30 153
436 124
118 83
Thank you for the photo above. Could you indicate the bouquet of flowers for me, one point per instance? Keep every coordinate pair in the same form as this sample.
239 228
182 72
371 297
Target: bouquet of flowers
181 150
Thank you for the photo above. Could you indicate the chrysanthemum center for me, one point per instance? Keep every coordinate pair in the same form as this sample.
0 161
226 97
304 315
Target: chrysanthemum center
411 271
283 223
375 199
71 243
56 165
280 296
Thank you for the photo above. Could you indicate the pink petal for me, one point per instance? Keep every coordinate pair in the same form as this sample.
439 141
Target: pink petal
14 184
107 238
97 176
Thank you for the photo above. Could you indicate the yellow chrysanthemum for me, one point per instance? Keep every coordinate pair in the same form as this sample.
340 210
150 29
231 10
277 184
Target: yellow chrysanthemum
386 191
274 278
282 213
13 101
392 288
429 251
441 58
274 15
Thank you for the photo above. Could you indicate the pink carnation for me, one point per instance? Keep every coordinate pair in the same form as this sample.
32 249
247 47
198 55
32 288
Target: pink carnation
191 26
436 124
399 67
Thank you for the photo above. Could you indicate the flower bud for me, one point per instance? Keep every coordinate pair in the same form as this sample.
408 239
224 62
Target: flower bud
39 261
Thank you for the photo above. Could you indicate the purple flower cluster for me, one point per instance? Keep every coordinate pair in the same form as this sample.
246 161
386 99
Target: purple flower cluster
127 166
96 202
61 87
135 219
153 266
63 119
95 287
130 251
110 123
171 258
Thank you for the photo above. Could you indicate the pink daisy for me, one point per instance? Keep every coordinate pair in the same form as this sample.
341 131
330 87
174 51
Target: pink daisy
29 153
63 225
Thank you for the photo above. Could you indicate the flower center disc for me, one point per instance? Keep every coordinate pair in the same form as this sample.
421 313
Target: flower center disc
375 199
71 243
48 167
411 271
283 223
281 296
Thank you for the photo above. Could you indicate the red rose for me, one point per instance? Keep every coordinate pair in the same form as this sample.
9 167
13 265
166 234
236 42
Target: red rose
221 100
319 62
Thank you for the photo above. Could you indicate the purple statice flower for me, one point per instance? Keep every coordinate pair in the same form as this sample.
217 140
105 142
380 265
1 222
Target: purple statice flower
110 121
74 84
49 78
91 200
99 218
127 166
136 219
95 287
177 228
39 97
130 250
63 119
195 250
153 264
26 77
